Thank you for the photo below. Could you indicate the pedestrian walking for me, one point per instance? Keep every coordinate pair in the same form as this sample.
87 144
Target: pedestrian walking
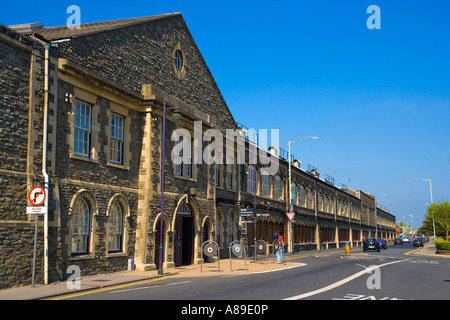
280 249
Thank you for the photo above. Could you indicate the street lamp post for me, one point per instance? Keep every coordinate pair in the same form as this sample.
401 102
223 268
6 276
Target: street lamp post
290 183
161 234
431 196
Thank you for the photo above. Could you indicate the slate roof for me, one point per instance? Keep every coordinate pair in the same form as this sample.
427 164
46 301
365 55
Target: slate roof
63 32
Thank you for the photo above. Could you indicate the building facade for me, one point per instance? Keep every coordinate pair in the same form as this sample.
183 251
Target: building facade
109 85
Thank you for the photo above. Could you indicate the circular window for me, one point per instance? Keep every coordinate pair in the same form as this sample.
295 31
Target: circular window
178 60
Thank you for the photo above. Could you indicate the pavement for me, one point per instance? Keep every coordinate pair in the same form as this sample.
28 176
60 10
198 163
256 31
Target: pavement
234 266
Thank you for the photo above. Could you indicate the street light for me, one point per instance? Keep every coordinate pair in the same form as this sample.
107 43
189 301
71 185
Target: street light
290 182
176 114
431 196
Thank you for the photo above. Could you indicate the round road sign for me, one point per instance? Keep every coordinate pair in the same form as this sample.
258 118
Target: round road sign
36 196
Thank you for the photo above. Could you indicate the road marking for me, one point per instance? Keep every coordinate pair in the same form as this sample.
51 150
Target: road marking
107 289
409 252
341 282
315 255
352 296
141 288
267 271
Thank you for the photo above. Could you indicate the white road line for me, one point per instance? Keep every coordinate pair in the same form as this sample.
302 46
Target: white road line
246 274
141 288
341 282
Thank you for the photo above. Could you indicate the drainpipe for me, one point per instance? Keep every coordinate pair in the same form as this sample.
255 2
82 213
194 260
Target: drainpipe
44 162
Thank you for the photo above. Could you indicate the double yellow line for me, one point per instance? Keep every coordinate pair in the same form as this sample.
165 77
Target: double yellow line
409 252
107 289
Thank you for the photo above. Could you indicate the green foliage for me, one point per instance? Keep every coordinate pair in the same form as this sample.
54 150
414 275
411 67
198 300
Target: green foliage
441 244
440 213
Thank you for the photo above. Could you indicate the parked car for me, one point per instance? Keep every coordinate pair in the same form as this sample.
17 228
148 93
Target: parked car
398 241
418 242
405 239
383 243
371 244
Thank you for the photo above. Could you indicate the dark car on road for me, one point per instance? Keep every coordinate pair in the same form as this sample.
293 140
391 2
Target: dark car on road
418 242
398 241
383 243
371 244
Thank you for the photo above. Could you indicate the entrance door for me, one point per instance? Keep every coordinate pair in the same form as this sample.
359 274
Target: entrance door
184 237
205 238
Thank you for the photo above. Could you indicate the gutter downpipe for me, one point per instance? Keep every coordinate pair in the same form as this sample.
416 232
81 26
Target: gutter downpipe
44 161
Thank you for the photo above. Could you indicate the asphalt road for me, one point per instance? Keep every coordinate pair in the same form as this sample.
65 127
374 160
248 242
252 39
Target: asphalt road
385 275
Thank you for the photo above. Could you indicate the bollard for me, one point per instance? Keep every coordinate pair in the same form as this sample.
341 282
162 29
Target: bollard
347 248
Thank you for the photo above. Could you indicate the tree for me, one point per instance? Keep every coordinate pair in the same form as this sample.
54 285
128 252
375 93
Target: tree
440 212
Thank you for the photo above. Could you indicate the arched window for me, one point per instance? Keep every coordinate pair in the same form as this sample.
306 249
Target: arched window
310 199
266 186
293 193
251 185
328 203
115 228
320 202
302 196
81 221
184 209
278 190
178 60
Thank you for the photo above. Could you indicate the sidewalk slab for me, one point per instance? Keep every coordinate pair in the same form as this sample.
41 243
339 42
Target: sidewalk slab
428 250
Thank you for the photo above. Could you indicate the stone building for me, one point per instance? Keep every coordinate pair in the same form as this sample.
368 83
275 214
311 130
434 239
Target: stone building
108 86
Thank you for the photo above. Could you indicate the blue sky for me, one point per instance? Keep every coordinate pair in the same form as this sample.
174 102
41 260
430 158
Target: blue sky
379 99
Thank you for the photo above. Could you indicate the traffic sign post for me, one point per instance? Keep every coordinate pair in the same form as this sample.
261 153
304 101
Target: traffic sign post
36 197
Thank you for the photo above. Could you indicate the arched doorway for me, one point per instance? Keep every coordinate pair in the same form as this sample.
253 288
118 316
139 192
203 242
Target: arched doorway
184 236
207 230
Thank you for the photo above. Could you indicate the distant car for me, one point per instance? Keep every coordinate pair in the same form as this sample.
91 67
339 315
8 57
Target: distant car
398 241
406 239
383 243
418 242
371 244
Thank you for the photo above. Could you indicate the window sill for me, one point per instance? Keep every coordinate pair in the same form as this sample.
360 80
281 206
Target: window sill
82 158
81 257
186 178
118 166
116 254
